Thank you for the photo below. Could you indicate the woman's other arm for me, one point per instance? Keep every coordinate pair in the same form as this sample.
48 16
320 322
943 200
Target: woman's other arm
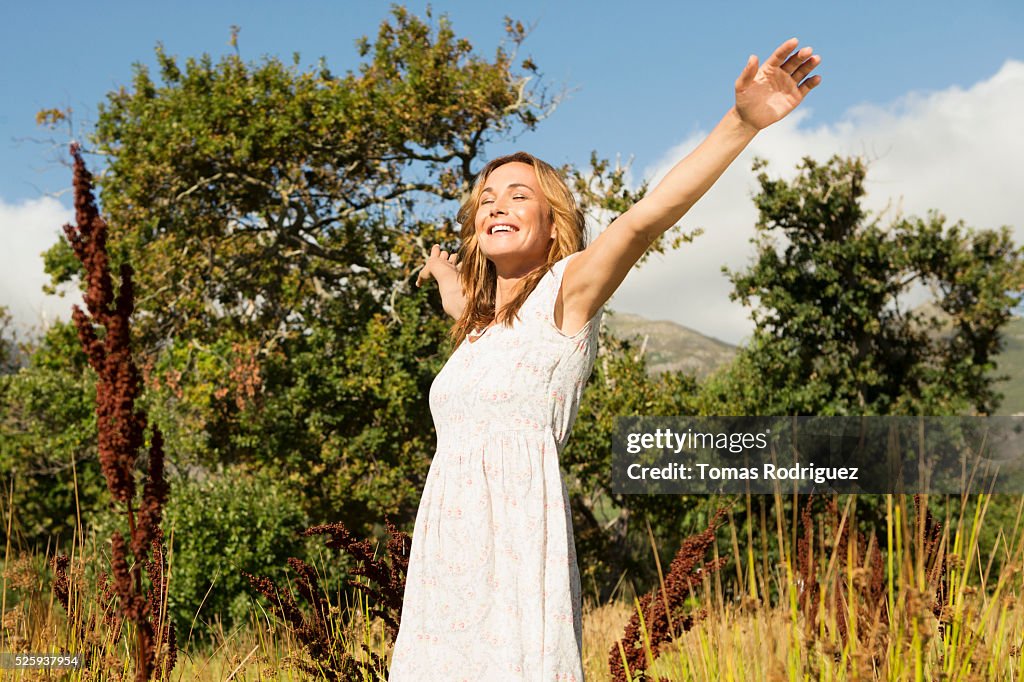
442 266
763 96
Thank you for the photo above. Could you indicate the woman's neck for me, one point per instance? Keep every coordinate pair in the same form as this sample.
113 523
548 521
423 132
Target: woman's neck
509 275
506 290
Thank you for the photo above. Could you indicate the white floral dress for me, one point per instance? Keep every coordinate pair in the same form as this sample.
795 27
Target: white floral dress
493 588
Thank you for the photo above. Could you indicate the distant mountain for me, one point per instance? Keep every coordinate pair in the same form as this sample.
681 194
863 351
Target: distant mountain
671 347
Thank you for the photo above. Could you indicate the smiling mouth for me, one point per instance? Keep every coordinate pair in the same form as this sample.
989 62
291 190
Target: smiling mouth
502 228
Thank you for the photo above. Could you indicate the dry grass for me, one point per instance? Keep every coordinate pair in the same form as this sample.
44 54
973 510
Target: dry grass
602 624
943 613
974 632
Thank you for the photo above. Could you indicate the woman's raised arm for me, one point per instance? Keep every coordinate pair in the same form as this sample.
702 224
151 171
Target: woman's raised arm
763 96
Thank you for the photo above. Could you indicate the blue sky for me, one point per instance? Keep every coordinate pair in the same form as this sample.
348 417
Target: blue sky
646 79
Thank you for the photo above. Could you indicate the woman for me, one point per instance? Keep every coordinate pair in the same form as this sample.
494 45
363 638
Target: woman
493 589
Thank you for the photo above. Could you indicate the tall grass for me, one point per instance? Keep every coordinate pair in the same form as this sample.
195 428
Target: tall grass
942 609
926 605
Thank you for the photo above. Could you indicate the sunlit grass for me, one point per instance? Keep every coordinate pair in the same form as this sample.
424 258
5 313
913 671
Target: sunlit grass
756 626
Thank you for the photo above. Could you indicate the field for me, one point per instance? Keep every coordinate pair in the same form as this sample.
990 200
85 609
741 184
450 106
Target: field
785 595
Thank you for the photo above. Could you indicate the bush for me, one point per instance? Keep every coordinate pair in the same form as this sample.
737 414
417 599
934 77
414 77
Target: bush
232 521
48 422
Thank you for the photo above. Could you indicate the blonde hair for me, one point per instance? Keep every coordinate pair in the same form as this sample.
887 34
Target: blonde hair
478 275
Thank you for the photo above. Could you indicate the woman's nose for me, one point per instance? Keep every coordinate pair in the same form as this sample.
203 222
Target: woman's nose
497 210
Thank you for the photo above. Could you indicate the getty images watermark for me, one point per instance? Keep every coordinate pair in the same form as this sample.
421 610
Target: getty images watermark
692 455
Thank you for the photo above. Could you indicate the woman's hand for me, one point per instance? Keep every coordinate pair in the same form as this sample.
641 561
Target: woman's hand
439 263
765 95
444 267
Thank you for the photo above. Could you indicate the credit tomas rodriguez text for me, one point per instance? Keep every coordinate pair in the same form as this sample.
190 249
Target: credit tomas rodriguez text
768 472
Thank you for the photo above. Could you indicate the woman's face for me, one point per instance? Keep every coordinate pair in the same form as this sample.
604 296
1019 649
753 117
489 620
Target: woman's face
513 219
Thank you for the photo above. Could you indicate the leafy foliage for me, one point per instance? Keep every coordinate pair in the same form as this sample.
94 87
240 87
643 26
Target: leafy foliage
7 346
255 193
834 332
346 415
48 439
231 521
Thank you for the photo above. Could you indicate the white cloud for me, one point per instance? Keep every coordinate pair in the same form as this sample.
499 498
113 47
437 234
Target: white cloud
958 151
27 229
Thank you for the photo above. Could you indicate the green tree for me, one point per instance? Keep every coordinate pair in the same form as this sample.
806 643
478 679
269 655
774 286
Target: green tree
834 333
839 325
274 217
234 520
249 195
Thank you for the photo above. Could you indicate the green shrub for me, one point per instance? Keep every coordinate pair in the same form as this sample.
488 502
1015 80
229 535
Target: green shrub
231 521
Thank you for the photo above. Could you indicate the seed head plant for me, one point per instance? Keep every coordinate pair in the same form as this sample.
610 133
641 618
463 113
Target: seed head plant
661 614
321 637
121 435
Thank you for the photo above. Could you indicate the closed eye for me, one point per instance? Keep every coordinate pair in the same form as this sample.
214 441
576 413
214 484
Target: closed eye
484 202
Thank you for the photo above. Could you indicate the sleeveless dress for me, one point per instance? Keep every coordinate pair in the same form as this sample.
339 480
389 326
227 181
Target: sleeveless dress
493 589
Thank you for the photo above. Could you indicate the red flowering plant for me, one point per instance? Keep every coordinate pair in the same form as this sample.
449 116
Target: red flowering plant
104 330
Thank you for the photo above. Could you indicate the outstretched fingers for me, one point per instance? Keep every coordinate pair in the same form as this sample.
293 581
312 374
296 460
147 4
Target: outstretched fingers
799 66
809 84
437 256
796 60
782 52
806 67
